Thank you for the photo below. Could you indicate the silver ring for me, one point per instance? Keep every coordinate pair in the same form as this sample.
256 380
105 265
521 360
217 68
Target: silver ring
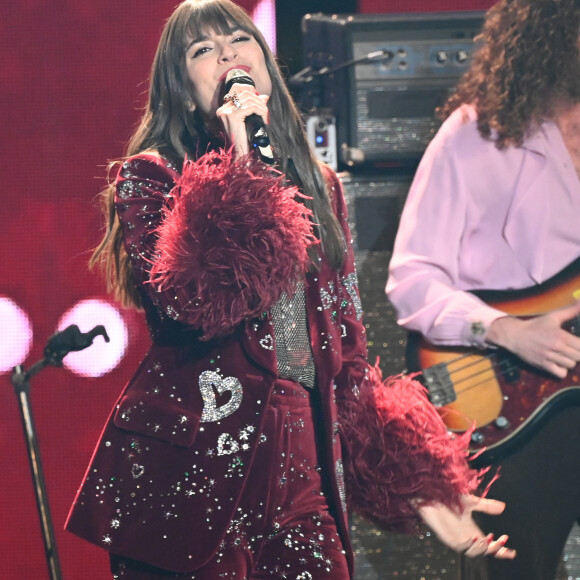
234 99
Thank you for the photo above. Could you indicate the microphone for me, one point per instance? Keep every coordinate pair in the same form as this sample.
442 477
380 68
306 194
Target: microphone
255 126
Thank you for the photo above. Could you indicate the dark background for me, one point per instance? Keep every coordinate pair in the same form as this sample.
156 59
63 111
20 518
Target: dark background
74 78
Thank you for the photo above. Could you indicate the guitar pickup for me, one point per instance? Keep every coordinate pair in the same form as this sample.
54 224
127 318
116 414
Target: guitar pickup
439 385
508 367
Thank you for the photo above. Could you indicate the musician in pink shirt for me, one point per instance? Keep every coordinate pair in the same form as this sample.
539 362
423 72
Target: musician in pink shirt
479 217
495 205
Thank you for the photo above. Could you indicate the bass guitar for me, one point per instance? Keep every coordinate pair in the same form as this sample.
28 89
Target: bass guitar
505 398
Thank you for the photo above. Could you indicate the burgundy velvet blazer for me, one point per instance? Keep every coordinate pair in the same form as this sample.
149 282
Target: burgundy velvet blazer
167 473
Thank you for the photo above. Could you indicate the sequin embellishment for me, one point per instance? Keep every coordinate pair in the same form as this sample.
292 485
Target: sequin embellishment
267 342
339 470
210 380
137 471
351 285
227 444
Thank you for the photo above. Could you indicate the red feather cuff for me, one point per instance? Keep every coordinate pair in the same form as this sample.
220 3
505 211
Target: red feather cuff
233 239
398 453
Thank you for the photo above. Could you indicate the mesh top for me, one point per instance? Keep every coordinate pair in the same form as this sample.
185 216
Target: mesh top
293 350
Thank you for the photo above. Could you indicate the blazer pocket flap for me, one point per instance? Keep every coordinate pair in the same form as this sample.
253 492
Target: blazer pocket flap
147 415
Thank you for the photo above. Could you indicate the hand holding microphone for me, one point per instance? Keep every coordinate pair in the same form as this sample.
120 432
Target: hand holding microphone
255 127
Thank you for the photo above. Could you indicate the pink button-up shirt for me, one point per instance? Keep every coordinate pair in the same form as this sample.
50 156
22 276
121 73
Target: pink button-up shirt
477 217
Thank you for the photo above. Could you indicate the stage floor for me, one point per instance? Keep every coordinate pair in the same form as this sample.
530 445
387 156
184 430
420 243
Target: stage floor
383 556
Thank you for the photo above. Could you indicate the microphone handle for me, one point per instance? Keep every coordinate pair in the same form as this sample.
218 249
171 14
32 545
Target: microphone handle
256 131
255 126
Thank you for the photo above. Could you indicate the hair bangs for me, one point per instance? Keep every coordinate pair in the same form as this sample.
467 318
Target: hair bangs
217 17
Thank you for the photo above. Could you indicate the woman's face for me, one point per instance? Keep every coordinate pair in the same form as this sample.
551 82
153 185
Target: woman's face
210 57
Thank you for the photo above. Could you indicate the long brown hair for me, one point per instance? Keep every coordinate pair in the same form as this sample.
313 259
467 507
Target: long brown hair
528 63
170 127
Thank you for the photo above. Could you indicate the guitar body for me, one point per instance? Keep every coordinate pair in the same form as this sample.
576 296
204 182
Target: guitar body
504 397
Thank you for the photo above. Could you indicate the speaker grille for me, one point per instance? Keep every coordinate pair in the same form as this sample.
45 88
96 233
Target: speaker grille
374 203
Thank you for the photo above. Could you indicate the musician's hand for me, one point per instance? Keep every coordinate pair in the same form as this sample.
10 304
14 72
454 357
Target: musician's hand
541 341
461 533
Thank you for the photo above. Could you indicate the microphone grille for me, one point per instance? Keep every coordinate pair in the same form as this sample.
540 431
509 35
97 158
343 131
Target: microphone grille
235 72
237 75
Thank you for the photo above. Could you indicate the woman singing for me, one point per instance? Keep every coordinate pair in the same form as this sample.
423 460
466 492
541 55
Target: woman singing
227 453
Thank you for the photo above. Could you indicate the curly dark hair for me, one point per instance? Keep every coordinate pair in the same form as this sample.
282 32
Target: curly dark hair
526 64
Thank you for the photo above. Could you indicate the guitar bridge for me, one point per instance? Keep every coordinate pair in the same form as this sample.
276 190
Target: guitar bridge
439 385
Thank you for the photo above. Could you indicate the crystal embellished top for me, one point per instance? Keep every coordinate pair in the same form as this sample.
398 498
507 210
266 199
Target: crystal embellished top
293 350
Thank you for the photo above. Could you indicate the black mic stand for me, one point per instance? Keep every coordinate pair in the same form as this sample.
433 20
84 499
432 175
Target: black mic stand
309 74
58 346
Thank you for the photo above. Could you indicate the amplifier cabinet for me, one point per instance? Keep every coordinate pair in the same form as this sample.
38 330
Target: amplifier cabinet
390 73
375 201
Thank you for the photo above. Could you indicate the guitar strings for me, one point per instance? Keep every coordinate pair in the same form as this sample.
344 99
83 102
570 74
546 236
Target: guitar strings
503 370
482 359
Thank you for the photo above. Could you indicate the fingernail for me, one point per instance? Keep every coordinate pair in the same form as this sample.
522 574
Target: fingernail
489 539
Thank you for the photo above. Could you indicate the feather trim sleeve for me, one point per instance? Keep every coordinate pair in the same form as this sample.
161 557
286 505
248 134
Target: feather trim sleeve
233 239
399 453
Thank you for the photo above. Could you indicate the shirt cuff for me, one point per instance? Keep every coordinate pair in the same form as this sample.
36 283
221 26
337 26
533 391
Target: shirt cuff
477 325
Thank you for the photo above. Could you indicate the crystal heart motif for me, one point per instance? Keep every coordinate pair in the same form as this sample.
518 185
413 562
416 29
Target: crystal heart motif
209 382
137 470
227 444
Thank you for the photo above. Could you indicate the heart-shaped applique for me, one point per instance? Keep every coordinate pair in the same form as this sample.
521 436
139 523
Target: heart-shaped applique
210 380
267 342
137 470
227 444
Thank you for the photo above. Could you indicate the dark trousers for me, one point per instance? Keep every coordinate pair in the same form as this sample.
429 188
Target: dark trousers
540 484
282 528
